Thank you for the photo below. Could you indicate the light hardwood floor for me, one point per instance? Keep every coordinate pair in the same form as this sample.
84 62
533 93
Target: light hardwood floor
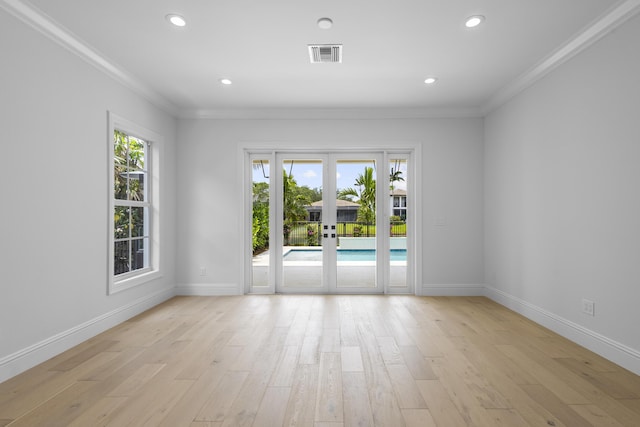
324 361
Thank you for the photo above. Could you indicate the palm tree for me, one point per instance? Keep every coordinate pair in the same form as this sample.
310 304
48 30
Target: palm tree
294 203
128 154
366 195
395 175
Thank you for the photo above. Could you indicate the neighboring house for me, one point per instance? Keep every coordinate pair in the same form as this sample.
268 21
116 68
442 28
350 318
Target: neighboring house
346 211
399 203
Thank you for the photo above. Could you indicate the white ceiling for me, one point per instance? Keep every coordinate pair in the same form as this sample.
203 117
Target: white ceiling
390 47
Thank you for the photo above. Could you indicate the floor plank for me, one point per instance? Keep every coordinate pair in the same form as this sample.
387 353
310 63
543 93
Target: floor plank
441 407
555 405
329 397
418 418
416 363
273 407
309 354
301 409
406 389
351 359
283 376
220 401
357 407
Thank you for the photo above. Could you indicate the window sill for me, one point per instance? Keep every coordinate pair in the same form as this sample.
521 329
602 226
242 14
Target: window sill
120 284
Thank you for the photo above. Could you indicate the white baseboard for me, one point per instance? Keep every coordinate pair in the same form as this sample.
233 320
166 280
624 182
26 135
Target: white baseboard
465 290
31 356
208 289
614 351
37 353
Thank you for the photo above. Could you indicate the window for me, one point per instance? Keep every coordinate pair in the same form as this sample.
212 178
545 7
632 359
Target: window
400 206
131 203
133 229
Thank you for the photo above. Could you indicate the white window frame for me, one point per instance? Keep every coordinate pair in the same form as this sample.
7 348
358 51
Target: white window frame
152 250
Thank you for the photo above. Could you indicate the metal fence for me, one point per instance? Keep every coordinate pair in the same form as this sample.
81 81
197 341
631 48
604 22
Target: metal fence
309 233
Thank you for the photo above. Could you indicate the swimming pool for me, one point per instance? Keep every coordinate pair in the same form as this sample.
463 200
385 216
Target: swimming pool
343 255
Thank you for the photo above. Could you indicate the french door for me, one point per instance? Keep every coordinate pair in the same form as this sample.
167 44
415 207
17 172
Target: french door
330 220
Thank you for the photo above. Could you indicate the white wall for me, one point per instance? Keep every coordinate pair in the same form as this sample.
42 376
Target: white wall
562 207
451 187
53 181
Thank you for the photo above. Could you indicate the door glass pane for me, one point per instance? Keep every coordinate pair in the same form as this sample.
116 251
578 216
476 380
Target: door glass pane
356 223
260 223
302 223
398 222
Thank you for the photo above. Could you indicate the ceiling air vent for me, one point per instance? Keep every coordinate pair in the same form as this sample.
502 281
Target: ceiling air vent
320 53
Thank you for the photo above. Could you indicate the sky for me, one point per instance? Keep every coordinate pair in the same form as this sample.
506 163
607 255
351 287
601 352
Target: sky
310 174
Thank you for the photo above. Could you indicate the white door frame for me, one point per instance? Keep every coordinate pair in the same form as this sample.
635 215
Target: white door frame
414 244
329 275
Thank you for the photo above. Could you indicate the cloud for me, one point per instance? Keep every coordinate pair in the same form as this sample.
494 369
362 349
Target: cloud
309 174
337 175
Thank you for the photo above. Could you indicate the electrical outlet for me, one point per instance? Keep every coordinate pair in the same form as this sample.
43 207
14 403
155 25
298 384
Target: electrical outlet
203 271
588 307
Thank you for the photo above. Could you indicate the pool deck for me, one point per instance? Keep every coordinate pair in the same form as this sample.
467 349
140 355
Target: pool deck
263 259
306 274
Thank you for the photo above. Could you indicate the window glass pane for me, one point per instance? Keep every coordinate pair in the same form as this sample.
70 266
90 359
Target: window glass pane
136 186
120 182
120 148
120 169
136 154
121 257
137 254
121 222
137 221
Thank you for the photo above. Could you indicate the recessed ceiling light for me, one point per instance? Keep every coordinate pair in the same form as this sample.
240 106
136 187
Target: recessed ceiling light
430 80
176 20
225 81
473 21
325 23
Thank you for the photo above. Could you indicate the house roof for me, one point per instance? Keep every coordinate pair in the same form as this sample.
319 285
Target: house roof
339 203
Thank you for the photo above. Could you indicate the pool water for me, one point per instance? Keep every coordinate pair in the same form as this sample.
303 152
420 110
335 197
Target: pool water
343 255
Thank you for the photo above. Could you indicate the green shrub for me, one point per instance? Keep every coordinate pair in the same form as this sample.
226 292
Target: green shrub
260 231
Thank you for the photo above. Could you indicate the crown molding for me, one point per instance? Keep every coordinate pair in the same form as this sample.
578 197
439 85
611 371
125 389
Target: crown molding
47 26
609 21
332 113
